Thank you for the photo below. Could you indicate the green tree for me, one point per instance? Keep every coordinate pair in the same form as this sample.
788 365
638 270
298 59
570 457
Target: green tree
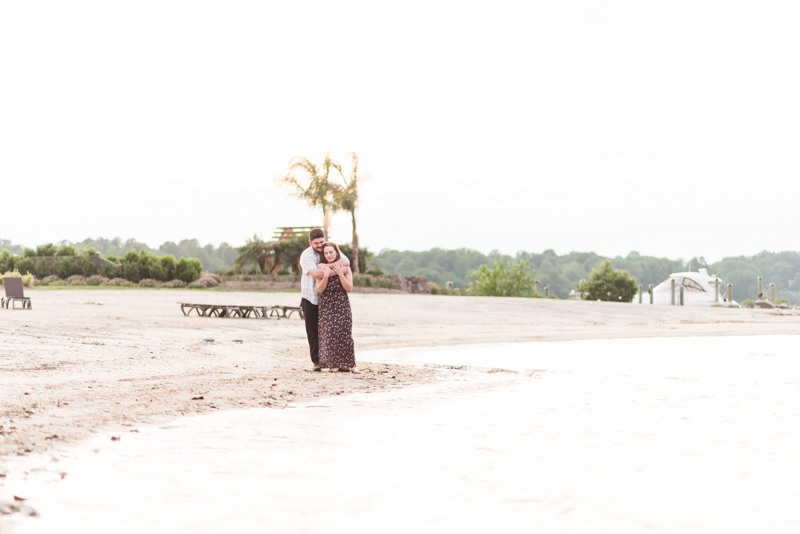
509 280
67 266
347 199
609 284
256 252
6 261
312 183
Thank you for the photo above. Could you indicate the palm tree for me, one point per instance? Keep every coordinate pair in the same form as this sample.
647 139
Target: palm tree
256 252
313 185
346 198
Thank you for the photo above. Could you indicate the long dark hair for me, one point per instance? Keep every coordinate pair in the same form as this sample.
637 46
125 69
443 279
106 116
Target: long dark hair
335 247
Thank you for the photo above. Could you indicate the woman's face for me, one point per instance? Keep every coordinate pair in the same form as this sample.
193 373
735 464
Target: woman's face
330 254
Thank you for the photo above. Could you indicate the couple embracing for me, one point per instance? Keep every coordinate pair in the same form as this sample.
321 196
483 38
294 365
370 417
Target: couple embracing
324 286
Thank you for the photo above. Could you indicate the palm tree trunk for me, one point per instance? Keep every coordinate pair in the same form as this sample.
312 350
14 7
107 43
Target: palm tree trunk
354 265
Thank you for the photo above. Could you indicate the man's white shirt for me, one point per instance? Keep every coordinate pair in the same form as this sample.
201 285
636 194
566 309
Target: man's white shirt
309 260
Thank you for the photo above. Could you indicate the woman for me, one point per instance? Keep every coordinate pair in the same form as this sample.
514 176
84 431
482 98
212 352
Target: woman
336 347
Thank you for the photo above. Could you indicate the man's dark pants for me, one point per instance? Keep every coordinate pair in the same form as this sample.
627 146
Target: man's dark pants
311 313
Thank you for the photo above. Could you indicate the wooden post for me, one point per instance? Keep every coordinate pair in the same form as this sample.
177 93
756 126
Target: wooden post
681 294
536 285
730 292
640 293
760 287
547 290
651 293
672 292
772 292
716 289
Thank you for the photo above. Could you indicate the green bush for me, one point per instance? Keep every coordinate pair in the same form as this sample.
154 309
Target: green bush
67 266
66 250
168 265
29 253
96 280
90 251
24 265
148 282
118 282
51 280
130 272
512 280
112 258
27 279
6 261
42 269
76 280
188 269
781 300
609 284
108 270
746 303
88 267
48 249
174 283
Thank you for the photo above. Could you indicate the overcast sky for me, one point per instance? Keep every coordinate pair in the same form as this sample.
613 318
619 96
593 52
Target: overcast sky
670 128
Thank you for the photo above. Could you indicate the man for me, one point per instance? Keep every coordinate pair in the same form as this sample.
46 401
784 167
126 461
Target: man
309 260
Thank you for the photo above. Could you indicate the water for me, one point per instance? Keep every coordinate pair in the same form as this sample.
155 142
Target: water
680 434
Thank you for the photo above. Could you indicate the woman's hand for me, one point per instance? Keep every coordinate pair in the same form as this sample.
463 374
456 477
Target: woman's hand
338 269
326 272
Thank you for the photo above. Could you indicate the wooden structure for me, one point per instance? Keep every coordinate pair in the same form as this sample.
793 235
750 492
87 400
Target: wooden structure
242 312
287 233
14 293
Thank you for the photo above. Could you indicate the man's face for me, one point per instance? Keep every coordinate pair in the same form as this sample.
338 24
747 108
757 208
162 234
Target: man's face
317 243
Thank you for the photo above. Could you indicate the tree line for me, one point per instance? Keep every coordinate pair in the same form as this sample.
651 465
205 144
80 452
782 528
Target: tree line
564 272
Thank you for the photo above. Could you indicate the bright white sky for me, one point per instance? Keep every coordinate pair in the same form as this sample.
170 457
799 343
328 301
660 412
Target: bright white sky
670 128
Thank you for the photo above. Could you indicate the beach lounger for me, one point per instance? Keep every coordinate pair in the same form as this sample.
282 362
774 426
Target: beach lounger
14 293
228 311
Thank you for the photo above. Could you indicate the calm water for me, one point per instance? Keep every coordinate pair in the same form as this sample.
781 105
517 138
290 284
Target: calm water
679 435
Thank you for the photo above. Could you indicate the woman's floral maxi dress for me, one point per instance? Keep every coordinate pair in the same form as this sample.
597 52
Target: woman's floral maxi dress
336 347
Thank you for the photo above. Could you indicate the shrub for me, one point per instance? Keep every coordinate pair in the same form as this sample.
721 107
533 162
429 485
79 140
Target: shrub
156 271
362 280
747 303
108 270
509 280
42 268
188 269
27 279
205 281
781 300
197 284
130 271
375 271
96 280
609 284
174 283
24 265
88 268
148 282
48 249
76 280
6 261
118 282
68 266
90 251
29 253
66 250
168 264
51 280
112 258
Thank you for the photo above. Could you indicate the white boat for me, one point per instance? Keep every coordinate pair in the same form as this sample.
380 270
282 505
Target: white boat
698 290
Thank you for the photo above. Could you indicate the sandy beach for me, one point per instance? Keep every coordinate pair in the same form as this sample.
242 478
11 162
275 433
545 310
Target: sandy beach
84 361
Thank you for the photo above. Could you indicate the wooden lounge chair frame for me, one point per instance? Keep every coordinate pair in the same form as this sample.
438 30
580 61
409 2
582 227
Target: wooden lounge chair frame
242 312
14 293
